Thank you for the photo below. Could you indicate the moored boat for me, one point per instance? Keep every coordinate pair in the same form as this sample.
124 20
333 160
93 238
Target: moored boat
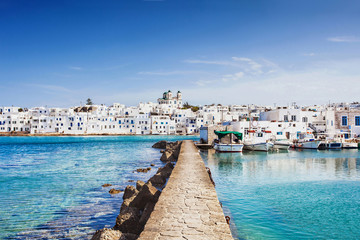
281 145
262 146
230 144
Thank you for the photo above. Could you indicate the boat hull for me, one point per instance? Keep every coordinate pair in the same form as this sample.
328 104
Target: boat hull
350 145
220 147
308 145
281 146
264 147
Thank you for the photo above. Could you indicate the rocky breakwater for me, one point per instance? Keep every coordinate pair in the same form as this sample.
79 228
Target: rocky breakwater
139 202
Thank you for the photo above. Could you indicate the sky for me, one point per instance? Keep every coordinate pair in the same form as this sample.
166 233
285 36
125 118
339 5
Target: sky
59 53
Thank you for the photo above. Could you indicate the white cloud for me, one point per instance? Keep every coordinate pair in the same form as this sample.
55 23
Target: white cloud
309 54
160 73
344 39
233 77
52 88
76 68
226 63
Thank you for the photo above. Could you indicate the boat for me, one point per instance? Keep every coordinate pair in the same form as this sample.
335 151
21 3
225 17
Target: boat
307 141
262 146
233 145
258 142
281 145
350 145
330 145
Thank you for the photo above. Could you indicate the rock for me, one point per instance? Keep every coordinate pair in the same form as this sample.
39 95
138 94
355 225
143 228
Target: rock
149 168
139 185
157 180
126 203
166 156
106 185
129 192
166 170
131 180
152 165
160 144
148 193
162 151
128 221
110 234
107 234
115 191
144 170
149 207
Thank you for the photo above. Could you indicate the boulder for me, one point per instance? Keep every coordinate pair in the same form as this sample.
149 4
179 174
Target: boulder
107 234
106 185
149 207
128 221
126 203
110 234
129 192
166 170
148 193
157 180
160 144
152 165
139 185
144 170
115 191
167 156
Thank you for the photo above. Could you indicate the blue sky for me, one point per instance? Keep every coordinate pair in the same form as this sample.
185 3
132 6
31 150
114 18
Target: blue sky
58 53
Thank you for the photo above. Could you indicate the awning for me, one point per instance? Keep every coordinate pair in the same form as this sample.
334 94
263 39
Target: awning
222 134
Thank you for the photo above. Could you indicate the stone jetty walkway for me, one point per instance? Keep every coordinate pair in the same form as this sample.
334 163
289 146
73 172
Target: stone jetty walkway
188 207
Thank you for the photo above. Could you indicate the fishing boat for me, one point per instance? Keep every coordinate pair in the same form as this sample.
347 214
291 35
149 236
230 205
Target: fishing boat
258 142
281 145
232 143
330 145
307 141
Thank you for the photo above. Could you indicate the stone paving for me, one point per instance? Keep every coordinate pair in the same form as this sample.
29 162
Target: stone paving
188 207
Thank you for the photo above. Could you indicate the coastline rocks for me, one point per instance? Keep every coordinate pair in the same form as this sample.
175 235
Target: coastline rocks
160 144
149 207
152 165
157 180
129 192
171 152
115 191
128 221
139 185
144 170
106 185
148 193
110 234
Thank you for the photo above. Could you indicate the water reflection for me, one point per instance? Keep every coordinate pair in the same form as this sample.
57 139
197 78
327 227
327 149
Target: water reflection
289 195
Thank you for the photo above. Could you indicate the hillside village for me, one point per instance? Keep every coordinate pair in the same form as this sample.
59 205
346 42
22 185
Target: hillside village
171 115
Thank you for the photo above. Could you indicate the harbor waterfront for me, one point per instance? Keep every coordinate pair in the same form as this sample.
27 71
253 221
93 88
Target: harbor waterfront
51 187
295 194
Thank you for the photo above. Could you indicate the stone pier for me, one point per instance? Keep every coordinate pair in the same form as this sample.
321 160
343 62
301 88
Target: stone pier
188 207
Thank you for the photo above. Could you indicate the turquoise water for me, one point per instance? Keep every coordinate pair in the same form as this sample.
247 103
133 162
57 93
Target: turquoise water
50 187
289 195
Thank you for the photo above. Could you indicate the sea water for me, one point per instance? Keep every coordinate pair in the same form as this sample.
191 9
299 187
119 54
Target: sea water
289 195
51 187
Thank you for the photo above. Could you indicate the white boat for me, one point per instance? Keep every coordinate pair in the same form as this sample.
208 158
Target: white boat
350 145
330 145
281 145
262 146
307 141
228 147
234 141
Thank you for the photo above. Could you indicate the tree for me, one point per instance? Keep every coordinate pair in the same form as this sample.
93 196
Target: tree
89 102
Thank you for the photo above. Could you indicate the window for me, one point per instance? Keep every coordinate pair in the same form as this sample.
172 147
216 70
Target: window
305 119
286 118
279 133
293 118
357 120
344 121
